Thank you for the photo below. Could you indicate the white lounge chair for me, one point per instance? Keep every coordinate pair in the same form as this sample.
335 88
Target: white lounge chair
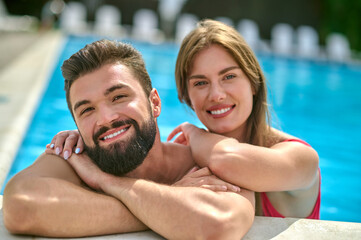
185 24
225 20
169 12
145 26
9 22
250 32
307 42
73 18
338 47
282 37
108 21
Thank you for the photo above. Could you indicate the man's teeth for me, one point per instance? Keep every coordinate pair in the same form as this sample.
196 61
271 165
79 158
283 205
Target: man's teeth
115 134
220 111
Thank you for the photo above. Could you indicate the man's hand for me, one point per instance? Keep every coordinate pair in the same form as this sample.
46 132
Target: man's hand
205 179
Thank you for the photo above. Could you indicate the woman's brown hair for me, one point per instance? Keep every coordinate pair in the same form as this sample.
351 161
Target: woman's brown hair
210 32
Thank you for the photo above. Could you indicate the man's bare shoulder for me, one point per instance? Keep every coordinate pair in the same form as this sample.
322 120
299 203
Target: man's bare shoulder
178 157
171 149
52 166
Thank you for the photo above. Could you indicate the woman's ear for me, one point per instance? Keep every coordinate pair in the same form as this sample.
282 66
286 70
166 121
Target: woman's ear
155 102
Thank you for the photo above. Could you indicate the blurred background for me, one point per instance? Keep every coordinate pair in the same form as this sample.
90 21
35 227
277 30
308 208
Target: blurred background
325 23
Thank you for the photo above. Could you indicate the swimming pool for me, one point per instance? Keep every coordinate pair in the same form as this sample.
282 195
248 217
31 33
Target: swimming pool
317 101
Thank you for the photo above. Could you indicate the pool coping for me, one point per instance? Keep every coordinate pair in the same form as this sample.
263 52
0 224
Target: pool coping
22 84
262 228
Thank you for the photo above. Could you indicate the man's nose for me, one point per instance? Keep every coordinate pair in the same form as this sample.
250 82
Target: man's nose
216 93
106 115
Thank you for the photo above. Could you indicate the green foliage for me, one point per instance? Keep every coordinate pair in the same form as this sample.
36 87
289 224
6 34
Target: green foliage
343 16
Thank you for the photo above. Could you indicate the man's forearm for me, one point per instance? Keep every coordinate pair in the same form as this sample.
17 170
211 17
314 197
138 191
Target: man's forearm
60 209
47 199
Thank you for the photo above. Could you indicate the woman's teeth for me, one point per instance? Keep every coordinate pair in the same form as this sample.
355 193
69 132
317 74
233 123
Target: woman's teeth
220 111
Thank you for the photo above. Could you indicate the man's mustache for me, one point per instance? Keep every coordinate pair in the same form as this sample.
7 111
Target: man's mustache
114 125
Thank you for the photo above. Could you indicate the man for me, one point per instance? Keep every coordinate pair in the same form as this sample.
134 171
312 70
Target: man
139 181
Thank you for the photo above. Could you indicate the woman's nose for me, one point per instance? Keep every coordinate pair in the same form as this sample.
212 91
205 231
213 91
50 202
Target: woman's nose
216 93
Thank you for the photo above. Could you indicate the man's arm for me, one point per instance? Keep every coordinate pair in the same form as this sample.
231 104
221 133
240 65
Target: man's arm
48 199
175 212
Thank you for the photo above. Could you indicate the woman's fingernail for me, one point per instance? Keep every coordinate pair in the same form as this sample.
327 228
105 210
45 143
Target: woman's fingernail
77 150
52 145
57 151
66 155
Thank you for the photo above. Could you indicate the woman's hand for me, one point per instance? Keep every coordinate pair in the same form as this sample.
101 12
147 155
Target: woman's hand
64 142
185 131
205 179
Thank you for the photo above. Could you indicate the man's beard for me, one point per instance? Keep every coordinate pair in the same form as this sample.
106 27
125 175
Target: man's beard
122 157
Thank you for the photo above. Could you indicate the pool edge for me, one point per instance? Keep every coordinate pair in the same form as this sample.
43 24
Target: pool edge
23 83
262 228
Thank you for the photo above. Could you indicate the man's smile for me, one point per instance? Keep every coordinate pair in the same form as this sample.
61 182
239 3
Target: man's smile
114 134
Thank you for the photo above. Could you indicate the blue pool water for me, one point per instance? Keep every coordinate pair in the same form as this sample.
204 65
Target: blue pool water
316 101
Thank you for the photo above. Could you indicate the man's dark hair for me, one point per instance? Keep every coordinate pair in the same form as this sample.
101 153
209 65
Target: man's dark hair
97 54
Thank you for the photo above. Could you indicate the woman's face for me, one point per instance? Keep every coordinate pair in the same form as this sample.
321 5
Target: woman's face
220 92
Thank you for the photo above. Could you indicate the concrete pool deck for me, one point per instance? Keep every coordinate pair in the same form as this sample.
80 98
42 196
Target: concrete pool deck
262 228
24 72
26 65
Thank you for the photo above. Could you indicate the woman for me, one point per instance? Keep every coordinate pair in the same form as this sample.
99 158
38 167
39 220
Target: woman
219 77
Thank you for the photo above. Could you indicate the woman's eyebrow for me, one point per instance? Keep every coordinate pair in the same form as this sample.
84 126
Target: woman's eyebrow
199 76
223 71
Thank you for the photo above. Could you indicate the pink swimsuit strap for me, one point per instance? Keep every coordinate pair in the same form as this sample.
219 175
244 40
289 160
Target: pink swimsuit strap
270 211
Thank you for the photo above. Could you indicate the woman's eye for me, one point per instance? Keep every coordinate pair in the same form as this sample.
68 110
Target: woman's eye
230 76
200 83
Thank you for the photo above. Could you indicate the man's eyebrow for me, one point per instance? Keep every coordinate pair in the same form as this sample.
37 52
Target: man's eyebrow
107 92
115 87
78 104
223 71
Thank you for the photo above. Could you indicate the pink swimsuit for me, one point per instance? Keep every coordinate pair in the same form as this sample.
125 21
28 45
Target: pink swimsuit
270 211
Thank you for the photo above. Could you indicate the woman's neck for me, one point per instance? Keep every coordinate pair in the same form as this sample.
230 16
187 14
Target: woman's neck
239 133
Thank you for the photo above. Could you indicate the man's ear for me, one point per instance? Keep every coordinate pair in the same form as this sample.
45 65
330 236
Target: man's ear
155 102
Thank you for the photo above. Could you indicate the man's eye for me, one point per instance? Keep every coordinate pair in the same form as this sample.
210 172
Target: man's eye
86 110
200 83
118 97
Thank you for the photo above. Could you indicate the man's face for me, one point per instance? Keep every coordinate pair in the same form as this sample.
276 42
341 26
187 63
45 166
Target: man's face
114 118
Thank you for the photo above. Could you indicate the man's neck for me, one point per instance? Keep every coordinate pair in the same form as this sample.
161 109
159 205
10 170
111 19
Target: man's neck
165 163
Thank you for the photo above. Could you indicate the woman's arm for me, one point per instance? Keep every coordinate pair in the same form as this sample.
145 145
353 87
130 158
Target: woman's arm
286 166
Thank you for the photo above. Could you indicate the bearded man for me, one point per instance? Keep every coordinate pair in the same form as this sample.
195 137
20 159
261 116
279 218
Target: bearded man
129 180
